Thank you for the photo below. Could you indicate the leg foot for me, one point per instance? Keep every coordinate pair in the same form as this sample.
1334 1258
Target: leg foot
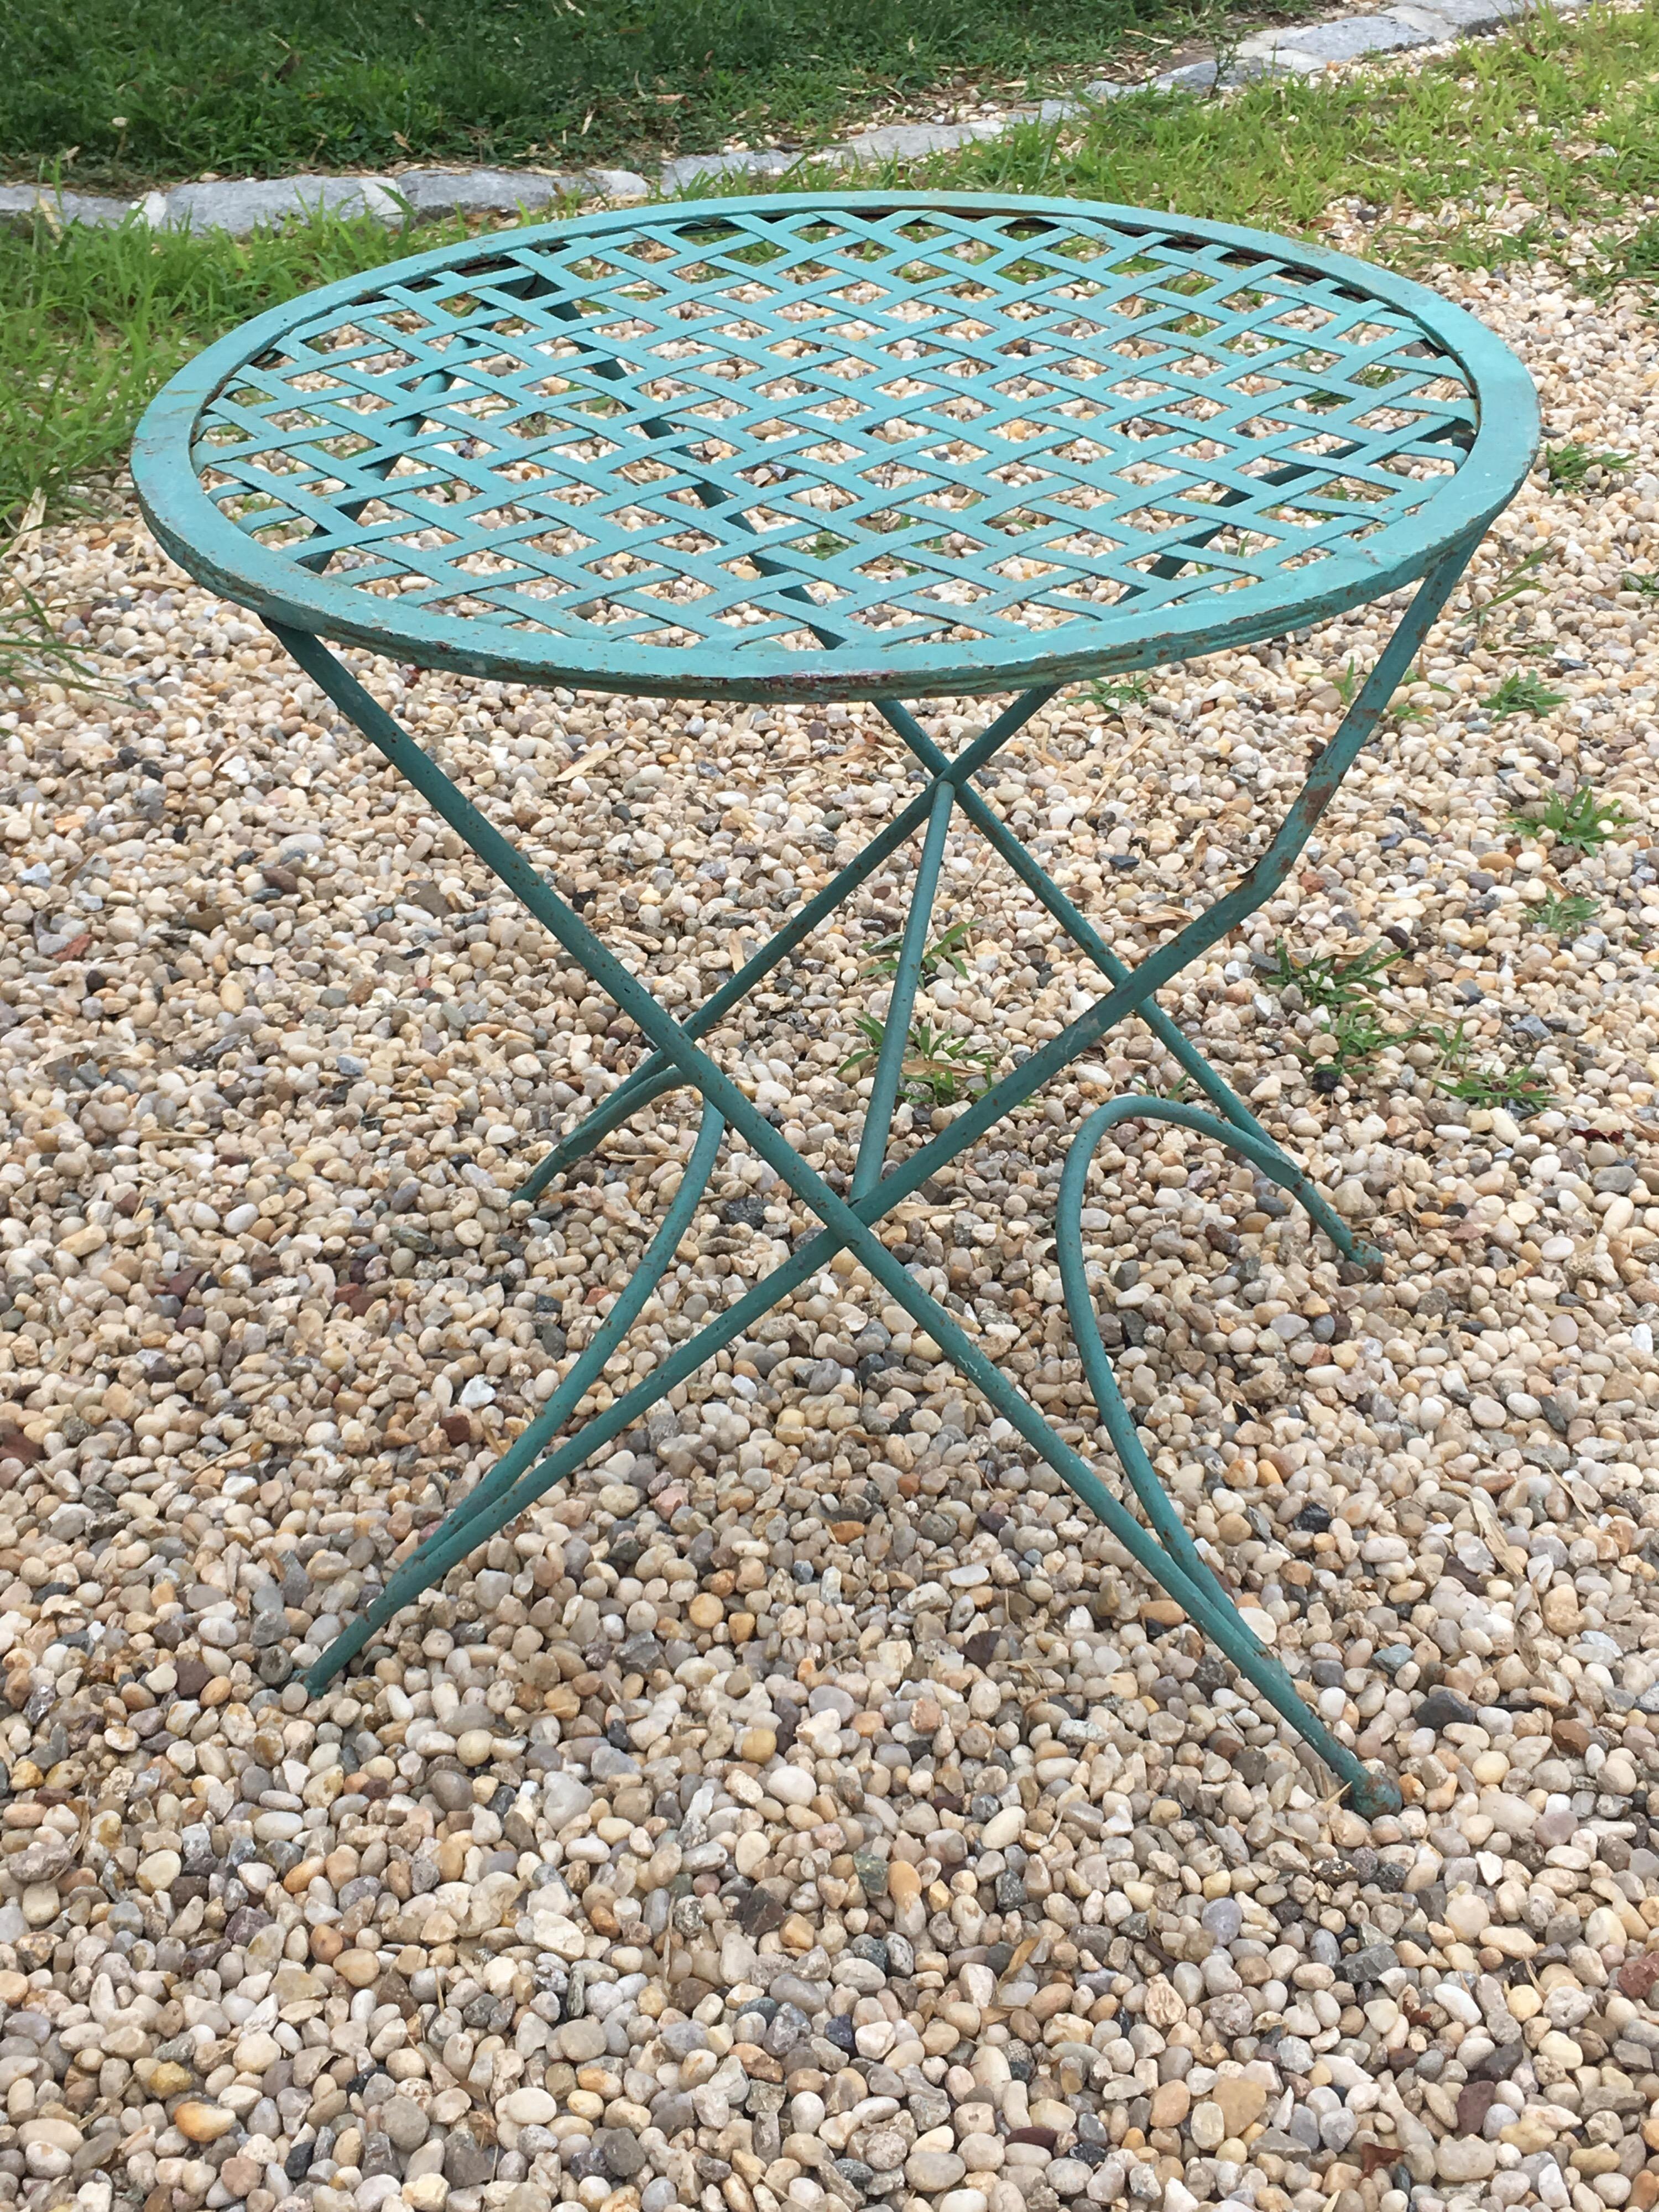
1371 1795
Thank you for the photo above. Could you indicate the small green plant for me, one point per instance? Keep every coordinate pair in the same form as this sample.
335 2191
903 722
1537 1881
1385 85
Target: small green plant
1115 693
1347 687
1328 981
1413 710
1510 587
936 1070
1634 259
1356 1036
1562 917
1457 1077
1568 468
1584 820
1453 1046
1510 1087
1524 692
941 953
31 651
1648 585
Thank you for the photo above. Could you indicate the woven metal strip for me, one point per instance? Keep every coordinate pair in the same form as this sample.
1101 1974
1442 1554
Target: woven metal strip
744 442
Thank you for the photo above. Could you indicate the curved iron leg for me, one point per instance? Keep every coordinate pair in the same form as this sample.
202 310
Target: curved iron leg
1370 1792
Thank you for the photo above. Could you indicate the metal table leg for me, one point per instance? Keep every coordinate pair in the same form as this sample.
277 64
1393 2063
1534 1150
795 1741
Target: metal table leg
1167 1551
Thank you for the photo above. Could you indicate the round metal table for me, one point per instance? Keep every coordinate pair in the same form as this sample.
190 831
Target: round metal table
886 446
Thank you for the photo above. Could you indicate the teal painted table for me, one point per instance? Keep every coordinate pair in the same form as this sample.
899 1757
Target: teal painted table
889 447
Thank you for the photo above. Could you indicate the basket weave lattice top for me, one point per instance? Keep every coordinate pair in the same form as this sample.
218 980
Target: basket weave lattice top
905 443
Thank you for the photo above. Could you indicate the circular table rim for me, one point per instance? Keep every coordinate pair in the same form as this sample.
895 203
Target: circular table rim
214 550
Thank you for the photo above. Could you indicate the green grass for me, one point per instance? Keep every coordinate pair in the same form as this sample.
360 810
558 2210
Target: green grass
153 90
1563 916
1524 692
936 1070
1630 260
941 953
1584 820
92 322
1115 693
1457 1076
31 651
1328 982
1567 113
1520 1087
1358 1034
1573 467
1515 580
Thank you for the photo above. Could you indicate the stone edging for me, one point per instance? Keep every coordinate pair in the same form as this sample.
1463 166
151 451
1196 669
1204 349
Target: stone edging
241 204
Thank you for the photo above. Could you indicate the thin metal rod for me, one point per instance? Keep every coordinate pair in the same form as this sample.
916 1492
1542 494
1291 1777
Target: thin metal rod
460 1533
895 1036
1255 887
656 1073
1037 881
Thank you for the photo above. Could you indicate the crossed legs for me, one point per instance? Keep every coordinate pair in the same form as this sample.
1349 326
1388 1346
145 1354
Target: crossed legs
1165 1550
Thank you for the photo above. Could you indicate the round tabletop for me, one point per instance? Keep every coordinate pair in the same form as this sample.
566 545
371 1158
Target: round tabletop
889 445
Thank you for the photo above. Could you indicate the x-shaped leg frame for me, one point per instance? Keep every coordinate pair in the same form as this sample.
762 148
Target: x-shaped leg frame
1167 1553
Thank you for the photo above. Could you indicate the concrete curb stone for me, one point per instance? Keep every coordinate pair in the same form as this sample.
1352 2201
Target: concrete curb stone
243 203
23 205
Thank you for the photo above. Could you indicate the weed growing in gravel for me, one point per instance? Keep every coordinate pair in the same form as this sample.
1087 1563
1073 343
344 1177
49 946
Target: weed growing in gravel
31 651
1584 820
1510 587
941 953
1114 694
1457 1076
1563 916
1347 688
1524 692
936 1070
1355 1038
1520 1088
1328 981
1356 1032
1648 585
1573 467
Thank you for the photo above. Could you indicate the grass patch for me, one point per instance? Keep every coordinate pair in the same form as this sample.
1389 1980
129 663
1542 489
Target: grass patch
1328 982
1521 1089
1566 115
151 92
90 323
938 1069
1573 467
1584 820
943 952
1563 916
31 651
1524 692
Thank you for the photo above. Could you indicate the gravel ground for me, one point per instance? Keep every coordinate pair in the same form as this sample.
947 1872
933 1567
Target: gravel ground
807 1807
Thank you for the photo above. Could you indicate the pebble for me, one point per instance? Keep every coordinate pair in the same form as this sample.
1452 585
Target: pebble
806 1805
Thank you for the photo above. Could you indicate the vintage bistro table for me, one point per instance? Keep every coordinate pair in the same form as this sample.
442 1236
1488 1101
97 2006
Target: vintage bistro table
878 448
